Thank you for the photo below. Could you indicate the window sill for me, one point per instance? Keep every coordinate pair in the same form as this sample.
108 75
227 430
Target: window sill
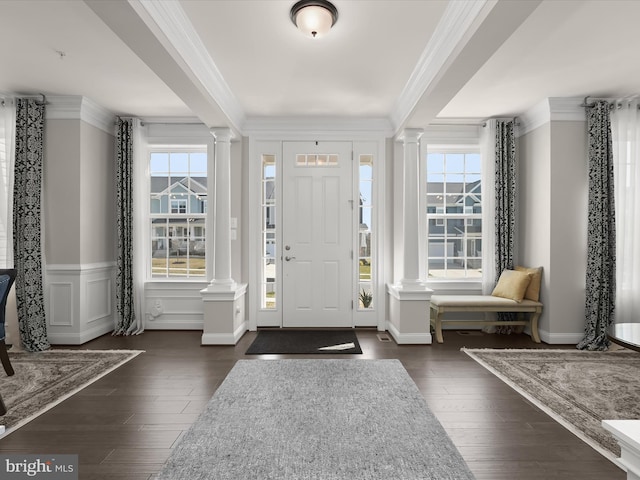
451 287
175 284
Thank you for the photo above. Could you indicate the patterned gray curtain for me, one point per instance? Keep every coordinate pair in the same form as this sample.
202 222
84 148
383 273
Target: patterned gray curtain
601 231
27 247
126 318
505 195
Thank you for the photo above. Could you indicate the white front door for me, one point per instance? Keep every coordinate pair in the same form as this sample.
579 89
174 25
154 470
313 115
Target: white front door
317 234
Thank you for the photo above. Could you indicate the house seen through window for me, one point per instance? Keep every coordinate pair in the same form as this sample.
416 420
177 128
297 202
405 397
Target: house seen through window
177 211
454 214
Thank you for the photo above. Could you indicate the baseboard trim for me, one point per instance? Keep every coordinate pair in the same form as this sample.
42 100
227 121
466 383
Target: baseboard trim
172 325
58 338
409 338
225 338
561 338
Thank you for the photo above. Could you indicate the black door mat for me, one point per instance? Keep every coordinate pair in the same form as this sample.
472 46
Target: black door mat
304 341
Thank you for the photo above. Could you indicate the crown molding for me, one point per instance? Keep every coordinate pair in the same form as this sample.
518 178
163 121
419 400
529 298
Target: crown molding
468 132
174 23
567 109
172 120
458 17
338 125
176 133
77 107
557 109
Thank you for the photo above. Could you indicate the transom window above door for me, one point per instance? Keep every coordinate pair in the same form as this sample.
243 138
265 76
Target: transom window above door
316 160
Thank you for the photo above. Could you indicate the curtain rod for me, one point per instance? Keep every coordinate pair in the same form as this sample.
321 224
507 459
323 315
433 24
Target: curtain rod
585 103
3 102
42 102
142 123
612 104
515 121
457 124
483 124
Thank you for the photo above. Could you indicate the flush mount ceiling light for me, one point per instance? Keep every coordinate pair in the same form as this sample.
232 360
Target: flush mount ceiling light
314 18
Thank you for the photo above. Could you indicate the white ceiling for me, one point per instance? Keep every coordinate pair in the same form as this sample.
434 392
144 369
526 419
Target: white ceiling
398 62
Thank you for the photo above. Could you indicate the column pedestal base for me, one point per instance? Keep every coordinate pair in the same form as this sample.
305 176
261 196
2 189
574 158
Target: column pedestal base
409 314
224 314
627 434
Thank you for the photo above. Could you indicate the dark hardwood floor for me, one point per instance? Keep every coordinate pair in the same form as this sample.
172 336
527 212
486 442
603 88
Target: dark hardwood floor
124 425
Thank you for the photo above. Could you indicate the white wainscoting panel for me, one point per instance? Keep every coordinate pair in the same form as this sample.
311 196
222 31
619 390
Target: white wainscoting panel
79 302
98 294
61 304
174 305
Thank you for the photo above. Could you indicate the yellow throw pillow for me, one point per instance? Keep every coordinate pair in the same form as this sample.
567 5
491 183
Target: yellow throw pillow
533 290
512 285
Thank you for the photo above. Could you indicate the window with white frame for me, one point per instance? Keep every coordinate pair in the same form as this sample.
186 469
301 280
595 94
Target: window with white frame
177 212
366 238
454 213
268 200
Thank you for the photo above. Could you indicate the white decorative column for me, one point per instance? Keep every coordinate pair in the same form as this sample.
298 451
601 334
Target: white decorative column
220 214
409 298
224 316
410 210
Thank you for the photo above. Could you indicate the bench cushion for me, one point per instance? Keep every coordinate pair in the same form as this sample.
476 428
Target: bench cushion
479 301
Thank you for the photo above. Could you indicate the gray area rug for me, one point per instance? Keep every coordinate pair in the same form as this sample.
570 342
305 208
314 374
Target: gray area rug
316 419
44 379
577 388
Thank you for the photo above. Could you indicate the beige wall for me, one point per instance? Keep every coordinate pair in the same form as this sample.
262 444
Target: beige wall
534 208
569 187
97 195
552 231
79 194
61 191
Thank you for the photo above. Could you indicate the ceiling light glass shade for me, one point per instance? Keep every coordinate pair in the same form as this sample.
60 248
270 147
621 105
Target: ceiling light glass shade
314 18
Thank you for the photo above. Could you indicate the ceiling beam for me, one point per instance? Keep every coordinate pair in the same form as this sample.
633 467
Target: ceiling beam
468 34
136 27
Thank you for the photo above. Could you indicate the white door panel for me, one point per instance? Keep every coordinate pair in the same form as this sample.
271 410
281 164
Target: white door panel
317 234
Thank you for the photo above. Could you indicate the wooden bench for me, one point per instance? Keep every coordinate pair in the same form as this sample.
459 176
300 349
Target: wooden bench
441 304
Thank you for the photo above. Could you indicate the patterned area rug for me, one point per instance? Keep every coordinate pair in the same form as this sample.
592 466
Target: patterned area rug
316 419
42 380
577 388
